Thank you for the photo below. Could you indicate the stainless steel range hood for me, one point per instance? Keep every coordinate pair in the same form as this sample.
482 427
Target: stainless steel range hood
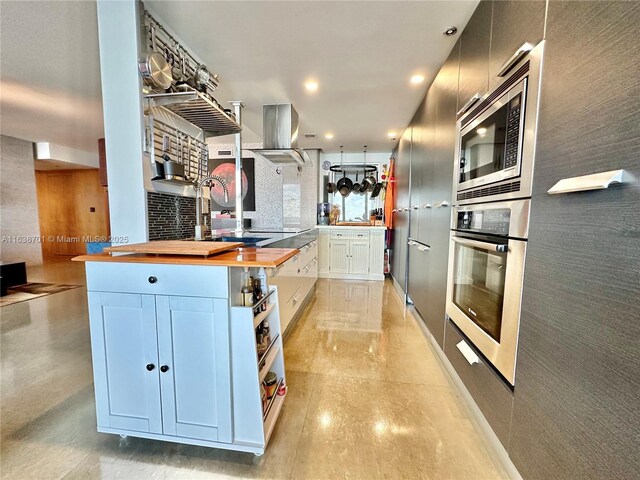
280 139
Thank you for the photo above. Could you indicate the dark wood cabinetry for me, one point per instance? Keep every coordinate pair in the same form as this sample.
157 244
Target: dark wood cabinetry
475 43
514 23
578 371
400 234
489 391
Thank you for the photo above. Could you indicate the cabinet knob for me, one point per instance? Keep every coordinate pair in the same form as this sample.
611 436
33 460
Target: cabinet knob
164 368
152 279
150 366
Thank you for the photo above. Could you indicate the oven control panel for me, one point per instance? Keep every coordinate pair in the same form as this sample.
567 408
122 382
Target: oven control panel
513 133
490 221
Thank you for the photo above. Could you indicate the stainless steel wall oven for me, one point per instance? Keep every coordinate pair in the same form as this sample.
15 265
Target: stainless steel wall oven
486 271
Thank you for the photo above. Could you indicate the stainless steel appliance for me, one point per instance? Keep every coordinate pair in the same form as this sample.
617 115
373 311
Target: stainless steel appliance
486 270
496 136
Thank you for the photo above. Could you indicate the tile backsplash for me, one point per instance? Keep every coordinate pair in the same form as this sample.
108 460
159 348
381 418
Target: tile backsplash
170 217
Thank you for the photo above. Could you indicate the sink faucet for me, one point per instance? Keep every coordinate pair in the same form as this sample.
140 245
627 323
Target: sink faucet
207 181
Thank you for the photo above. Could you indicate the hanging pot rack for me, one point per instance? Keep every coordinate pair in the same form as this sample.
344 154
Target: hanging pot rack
354 168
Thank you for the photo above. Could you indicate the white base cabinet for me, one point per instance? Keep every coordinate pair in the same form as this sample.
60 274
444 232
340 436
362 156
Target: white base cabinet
164 366
152 354
296 279
351 252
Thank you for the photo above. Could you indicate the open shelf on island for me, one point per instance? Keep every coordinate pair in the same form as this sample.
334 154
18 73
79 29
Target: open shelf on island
272 415
264 355
271 403
270 357
257 320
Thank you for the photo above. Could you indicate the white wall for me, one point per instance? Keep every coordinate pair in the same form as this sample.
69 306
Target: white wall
118 28
72 156
18 202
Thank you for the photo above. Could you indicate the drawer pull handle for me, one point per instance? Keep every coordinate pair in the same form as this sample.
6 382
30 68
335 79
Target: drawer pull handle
164 368
150 366
152 279
469 354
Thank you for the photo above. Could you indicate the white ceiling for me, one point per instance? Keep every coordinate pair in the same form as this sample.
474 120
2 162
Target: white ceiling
361 53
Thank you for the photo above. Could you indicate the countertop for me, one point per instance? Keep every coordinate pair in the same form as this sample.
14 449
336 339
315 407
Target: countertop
242 257
353 227
292 239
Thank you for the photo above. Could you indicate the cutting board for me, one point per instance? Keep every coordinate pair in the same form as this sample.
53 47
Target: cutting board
176 247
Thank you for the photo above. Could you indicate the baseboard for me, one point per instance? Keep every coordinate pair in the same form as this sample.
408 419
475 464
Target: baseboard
497 451
399 291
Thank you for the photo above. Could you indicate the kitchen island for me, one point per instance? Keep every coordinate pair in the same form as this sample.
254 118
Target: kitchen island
175 354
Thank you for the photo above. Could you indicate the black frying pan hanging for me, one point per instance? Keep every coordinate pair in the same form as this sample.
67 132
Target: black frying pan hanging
345 185
376 189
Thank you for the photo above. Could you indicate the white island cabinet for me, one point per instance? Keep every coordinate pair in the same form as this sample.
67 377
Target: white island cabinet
175 356
351 252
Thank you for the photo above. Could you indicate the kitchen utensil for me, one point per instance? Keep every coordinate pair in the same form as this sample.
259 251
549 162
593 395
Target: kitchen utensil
331 187
376 190
173 170
356 186
182 85
345 185
371 183
158 171
169 57
155 71
201 78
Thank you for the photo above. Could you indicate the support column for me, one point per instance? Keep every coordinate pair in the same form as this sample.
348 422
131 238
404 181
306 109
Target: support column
237 107
118 33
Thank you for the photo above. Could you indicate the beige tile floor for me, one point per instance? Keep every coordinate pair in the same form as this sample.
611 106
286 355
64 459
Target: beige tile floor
367 399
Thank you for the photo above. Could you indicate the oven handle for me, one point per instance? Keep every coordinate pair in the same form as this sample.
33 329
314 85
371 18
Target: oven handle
497 247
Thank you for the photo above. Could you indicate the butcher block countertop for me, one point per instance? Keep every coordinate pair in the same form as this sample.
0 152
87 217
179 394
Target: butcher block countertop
241 257
176 247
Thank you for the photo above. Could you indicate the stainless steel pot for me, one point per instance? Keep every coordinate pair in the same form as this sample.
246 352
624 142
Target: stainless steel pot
173 170
155 71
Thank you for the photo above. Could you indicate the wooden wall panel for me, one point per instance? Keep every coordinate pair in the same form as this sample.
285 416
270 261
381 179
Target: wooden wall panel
65 200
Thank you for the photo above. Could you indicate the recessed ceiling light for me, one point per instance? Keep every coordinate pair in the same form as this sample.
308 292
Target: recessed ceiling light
481 131
451 31
328 136
311 86
392 134
417 79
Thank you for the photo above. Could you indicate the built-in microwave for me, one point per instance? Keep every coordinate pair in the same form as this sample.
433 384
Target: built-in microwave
486 271
496 137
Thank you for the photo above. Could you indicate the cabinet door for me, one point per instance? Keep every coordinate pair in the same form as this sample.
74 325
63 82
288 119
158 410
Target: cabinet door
323 251
338 253
376 253
474 54
125 361
359 257
514 23
575 407
193 342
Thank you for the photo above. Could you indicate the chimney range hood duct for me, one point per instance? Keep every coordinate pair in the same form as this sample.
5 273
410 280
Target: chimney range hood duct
280 139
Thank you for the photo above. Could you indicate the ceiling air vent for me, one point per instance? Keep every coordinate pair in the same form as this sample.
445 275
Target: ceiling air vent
310 135
223 153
